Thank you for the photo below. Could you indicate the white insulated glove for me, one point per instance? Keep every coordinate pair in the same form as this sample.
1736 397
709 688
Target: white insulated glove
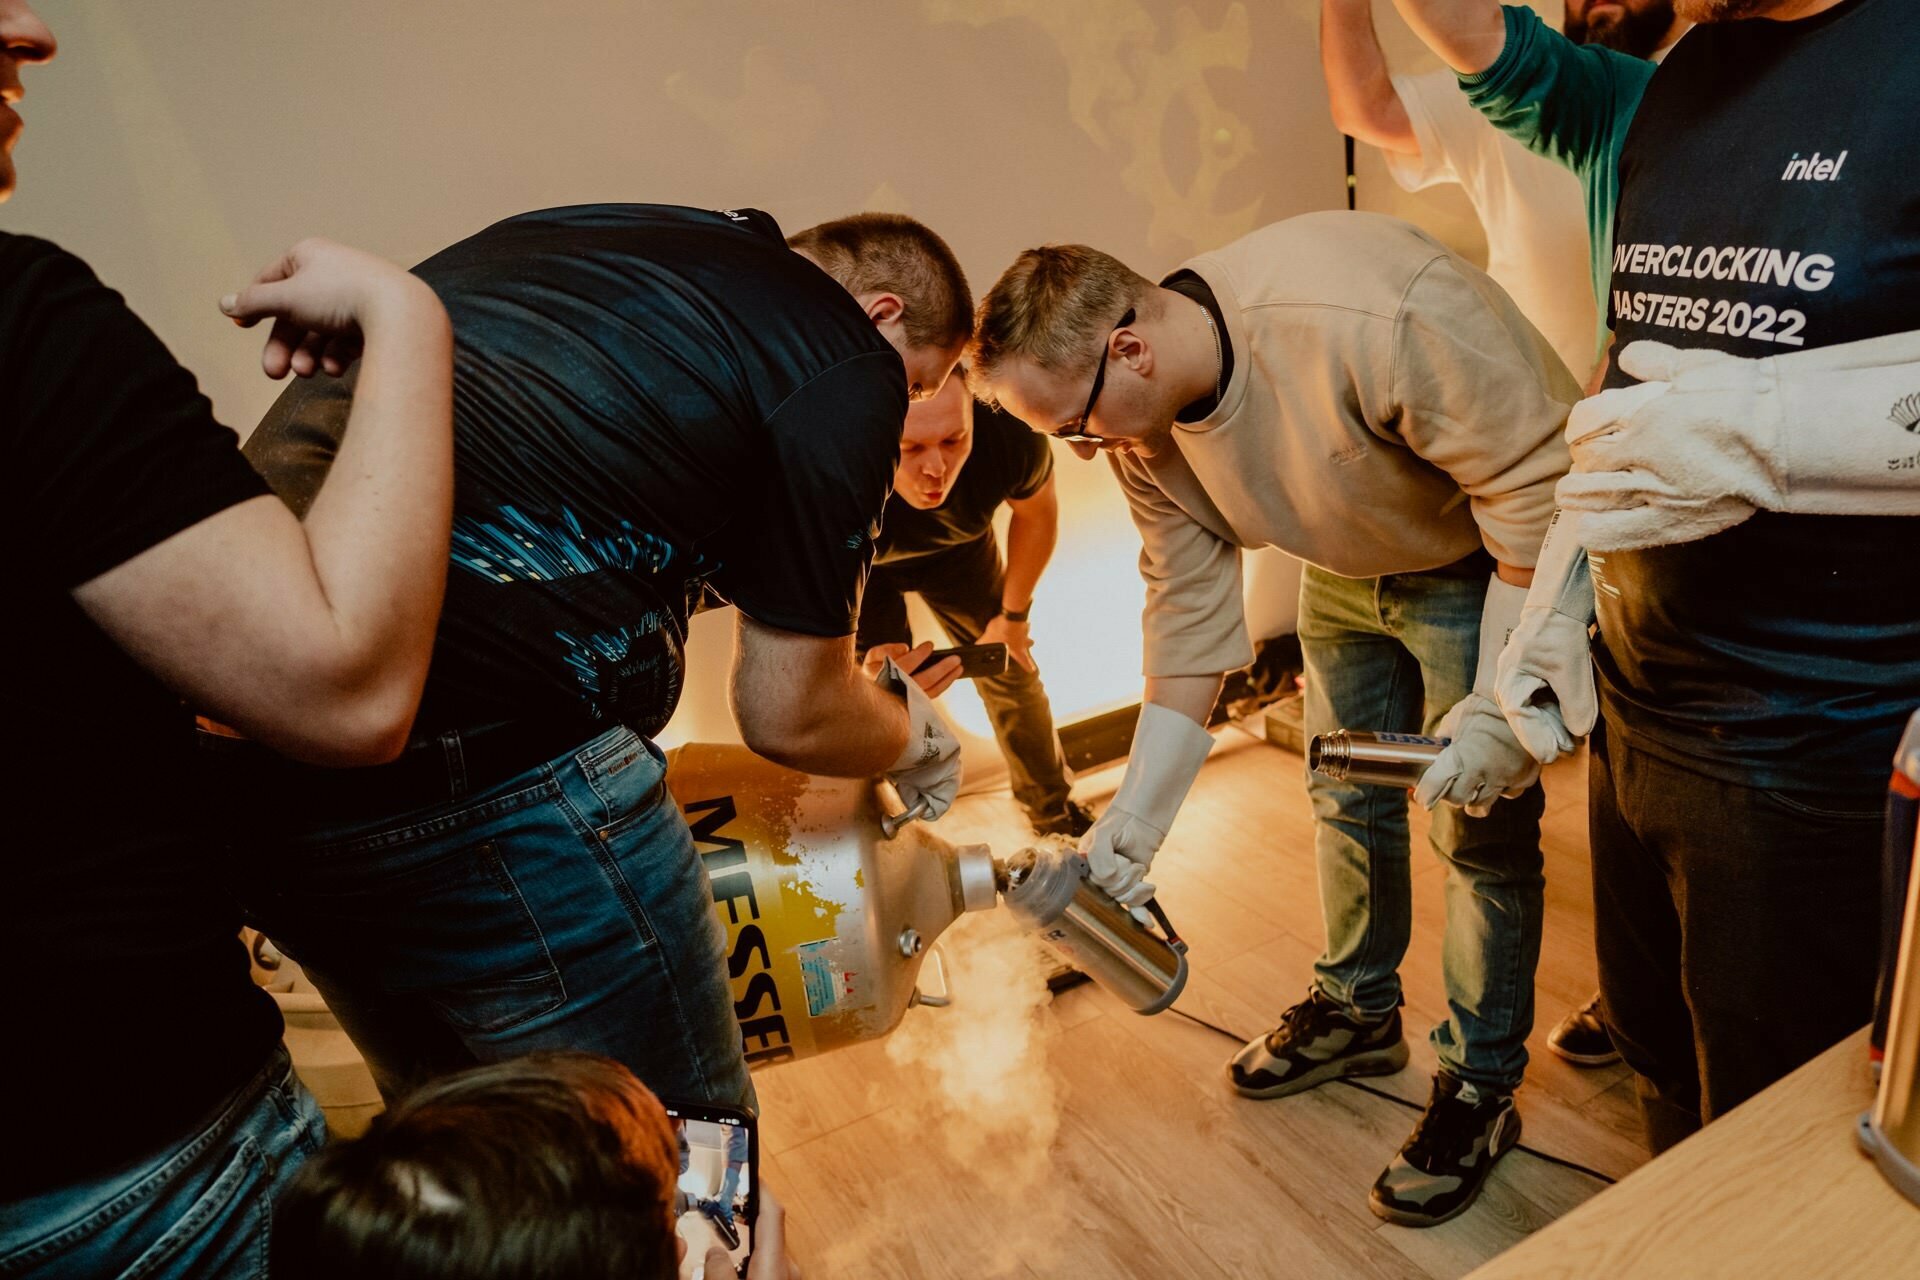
1168 750
929 769
1544 678
1484 761
1707 438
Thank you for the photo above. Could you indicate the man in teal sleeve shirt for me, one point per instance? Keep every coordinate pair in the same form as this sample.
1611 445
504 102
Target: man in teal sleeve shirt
1741 485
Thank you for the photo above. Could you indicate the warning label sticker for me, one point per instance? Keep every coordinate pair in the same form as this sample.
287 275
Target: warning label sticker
826 986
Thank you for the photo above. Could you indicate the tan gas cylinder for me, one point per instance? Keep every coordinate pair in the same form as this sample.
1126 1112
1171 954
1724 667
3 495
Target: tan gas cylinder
828 920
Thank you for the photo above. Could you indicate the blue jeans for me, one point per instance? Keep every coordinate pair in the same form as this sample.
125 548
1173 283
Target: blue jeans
1395 653
199 1210
565 908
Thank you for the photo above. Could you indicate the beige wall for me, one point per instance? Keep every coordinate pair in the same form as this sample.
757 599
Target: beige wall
178 145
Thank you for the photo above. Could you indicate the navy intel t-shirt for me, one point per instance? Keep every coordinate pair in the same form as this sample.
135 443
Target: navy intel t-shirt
1769 204
649 402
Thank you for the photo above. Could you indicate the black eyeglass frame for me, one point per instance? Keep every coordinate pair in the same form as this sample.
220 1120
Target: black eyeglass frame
1076 432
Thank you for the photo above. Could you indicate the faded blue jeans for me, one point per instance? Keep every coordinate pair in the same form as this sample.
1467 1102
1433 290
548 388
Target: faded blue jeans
565 908
199 1210
1395 653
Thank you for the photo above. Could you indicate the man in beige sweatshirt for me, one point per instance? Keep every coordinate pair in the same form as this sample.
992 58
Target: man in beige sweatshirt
1343 387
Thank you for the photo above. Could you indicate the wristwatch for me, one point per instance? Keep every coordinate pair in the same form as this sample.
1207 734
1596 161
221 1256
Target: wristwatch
1016 615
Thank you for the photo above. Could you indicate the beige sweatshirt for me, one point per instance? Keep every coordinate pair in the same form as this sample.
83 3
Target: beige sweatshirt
1390 410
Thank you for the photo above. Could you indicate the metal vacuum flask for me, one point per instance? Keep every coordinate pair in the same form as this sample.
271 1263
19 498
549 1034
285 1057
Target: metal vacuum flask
1380 759
827 916
1047 886
1890 1132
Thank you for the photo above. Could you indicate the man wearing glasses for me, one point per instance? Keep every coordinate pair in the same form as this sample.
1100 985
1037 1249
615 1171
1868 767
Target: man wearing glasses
1343 387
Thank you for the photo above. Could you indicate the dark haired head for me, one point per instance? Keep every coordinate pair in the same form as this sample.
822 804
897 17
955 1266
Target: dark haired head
550 1167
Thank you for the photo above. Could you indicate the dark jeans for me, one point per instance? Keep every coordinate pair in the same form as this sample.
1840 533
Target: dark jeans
962 586
1395 653
1738 929
565 908
198 1210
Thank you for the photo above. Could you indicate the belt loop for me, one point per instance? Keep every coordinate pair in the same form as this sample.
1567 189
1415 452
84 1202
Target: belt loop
456 761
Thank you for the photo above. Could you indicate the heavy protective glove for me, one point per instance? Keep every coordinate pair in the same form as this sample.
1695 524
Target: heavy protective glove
1544 678
1707 438
929 769
1168 750
1484 761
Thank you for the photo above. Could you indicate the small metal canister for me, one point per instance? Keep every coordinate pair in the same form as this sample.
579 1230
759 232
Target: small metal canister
1047 886
1890 1132
1383 759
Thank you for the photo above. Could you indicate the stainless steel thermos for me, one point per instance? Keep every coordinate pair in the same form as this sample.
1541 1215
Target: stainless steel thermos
1386 759
1047 886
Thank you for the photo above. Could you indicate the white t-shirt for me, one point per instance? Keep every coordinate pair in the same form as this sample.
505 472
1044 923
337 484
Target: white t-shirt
1531 208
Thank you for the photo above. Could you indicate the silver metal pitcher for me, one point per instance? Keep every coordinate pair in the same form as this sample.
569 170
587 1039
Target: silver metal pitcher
1047 887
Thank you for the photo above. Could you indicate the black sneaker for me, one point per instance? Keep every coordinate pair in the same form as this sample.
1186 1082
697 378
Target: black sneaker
1317 1041
1074 820
722 1219
1581 1037
1440 1171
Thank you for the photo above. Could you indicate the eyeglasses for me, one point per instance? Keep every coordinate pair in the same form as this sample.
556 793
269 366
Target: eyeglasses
1076 432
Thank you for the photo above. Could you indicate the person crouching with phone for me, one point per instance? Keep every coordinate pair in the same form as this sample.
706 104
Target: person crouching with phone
958 464
558 1165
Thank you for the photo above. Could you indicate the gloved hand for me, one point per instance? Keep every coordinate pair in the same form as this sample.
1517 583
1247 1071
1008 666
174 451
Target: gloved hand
1484 761
1707 438
1543 680
1168 750
929 769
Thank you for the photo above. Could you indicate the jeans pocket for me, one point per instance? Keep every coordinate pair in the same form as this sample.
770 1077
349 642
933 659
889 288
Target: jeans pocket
484 963
629 783
1819 806
223 1232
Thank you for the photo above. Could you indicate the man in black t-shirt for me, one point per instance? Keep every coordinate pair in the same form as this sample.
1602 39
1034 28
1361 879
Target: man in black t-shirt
654 406
148 1133
959 464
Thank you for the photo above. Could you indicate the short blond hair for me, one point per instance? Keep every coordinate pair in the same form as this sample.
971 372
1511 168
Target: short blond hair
892 253
1052 306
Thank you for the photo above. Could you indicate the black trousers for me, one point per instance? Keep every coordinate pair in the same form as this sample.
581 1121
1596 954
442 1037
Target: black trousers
1737 928
961 585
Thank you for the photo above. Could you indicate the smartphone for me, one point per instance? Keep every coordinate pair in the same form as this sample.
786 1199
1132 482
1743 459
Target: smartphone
717 1199
976 660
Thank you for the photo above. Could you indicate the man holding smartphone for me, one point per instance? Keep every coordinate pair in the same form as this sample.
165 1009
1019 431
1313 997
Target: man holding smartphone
959 464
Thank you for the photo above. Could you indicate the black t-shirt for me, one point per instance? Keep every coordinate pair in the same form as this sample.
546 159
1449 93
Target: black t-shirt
124 992
649 402
1188 284
1009 462
1784 652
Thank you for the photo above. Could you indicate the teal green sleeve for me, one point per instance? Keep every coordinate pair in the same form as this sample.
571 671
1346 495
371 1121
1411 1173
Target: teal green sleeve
1571 103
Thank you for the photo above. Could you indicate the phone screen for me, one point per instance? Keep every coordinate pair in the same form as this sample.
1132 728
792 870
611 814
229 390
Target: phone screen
714 1203
976 660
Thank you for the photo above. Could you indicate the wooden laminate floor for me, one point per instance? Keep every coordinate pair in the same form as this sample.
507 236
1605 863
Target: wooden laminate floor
1083 1140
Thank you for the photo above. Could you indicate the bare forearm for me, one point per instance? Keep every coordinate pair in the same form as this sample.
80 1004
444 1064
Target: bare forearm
1192 696
806 705
1468 35
1031 537
1360 92
378 531
1513 573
